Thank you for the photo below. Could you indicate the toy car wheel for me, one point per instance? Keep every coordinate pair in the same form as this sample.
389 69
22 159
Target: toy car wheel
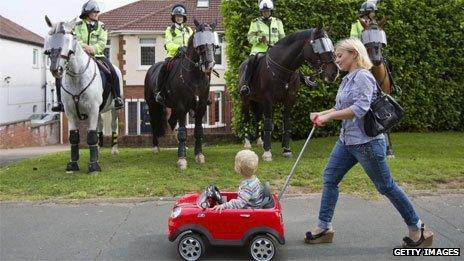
191 247
262 248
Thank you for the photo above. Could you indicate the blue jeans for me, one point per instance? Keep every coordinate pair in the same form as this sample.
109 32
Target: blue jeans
371 156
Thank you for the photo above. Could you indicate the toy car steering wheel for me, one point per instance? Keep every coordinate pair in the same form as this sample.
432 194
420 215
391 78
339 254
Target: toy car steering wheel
212 192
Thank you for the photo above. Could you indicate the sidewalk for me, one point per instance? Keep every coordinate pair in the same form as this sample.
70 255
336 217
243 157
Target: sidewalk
8 156
365 230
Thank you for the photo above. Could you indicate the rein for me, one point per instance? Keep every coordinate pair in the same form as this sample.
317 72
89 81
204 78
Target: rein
77 97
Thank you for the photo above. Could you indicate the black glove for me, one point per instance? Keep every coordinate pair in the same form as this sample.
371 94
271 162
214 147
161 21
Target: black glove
182 50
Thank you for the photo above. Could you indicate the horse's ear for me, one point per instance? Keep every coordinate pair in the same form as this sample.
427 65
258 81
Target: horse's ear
363 23
382 22
214 24
47 20
71 24
195 21
329 30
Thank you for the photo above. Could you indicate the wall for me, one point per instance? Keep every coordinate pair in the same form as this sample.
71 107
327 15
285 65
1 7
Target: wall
22 134
21 83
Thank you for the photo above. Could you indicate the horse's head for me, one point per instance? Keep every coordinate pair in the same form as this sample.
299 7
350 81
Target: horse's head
205 42
374 39
319 51
60 44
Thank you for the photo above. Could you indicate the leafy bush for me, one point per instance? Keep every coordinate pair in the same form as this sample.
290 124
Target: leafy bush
425 45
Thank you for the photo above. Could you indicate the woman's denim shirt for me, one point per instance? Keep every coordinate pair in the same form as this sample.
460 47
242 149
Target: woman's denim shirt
356 92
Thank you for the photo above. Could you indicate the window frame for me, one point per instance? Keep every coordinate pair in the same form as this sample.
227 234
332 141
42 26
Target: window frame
202 3
35 58
146 67
222 47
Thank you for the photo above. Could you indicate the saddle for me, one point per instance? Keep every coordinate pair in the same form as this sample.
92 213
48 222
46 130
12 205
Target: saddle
106 77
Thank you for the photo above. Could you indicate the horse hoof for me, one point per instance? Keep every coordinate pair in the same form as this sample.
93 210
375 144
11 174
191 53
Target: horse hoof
200 158
287 154
182 164
94 168
267 156
259 142
247 144
156 150
115 150
71 167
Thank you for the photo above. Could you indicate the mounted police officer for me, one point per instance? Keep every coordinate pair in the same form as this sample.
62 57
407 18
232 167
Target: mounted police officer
92 36
366 13
176 40
264 32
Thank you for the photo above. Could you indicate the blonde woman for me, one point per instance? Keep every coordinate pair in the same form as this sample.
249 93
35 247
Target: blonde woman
353 100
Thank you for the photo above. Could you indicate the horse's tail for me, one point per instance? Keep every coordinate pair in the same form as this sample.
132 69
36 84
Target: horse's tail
157 111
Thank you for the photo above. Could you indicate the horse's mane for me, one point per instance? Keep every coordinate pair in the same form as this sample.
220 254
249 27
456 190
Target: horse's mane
291 38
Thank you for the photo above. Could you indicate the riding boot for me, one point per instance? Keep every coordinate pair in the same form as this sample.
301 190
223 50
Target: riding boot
245 88
59 105
160 83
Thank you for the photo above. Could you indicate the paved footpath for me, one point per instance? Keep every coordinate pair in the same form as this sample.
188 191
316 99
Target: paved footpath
365 230
8 156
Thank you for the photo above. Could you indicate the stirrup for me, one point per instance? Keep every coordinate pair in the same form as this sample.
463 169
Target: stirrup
58 108
245 90
159 98
118 103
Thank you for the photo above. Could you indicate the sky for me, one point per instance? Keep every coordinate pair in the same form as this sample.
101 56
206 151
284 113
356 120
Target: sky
30 13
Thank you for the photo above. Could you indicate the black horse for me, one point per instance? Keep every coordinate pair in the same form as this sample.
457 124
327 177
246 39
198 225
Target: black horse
186 89
276 80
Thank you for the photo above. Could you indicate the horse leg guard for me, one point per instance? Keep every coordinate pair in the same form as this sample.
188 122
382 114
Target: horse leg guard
74 141
92 139
114 139
287 124
100 138
182 138
268 127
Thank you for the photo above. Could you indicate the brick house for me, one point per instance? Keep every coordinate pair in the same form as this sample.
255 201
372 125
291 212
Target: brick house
136 41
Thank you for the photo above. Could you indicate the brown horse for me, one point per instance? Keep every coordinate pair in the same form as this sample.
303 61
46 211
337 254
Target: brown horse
374 39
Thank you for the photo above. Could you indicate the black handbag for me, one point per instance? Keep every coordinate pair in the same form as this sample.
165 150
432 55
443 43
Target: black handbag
383 114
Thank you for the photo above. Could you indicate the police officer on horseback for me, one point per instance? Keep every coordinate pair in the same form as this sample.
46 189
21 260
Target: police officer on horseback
176 41
264 32
92 36
366 13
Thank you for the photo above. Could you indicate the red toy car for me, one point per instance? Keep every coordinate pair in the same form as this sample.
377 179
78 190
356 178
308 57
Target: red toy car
193 221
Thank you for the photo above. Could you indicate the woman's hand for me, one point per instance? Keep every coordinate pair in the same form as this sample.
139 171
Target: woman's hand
314 115
218 208
321 120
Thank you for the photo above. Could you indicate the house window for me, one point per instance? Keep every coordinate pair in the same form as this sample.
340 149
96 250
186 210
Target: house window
137 117
218 107
107 51
218 52
213 117
147 51
35 57
203 3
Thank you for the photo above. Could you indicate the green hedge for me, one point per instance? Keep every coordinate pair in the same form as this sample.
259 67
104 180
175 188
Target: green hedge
425 45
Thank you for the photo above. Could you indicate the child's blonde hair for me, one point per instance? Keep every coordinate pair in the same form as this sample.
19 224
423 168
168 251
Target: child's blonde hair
246 162
355 45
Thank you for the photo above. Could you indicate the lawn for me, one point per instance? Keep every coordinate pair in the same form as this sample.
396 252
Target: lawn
423 161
